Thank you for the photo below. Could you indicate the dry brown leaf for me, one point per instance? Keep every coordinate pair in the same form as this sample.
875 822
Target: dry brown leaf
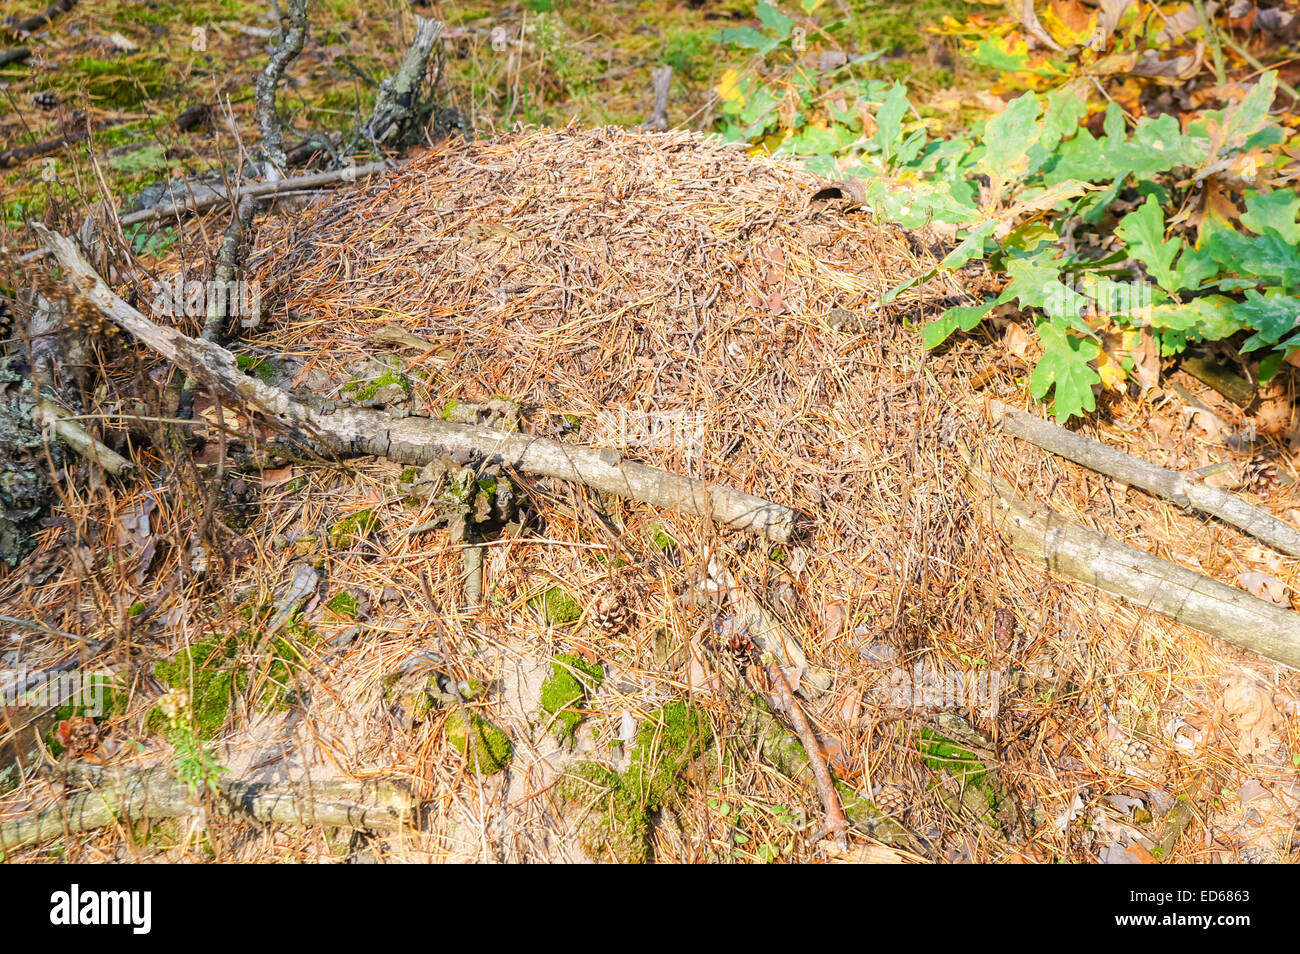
1252 711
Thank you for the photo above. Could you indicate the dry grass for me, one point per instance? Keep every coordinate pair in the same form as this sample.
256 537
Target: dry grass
593 276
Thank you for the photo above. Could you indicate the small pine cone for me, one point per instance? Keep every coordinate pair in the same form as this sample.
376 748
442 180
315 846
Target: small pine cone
1130 751
79 735
609 616
45 101
891 800
6 319
1259 476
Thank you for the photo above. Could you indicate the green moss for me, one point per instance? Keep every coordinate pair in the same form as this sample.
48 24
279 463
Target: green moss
661 540
209 672
665 744
121 82
564 693
368 391
614 811
343 604
267 370
206 671
557 606
491 750
136 609
449 410
613 825
344 533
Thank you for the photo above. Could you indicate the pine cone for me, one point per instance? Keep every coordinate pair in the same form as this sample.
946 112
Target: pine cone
79 735
891 800
1129 752
609 616
45 101
1259 476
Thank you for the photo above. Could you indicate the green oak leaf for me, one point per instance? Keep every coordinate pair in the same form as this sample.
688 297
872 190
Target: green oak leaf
1276 210
1066 370
1144 232
965 317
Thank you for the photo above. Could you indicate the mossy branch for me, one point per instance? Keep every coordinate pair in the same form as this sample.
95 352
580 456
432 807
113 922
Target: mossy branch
115 794
289 44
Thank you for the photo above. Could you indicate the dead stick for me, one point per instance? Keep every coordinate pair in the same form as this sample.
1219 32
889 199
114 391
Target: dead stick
1148 582
1177 488
355 432
75 436
837 824
117 794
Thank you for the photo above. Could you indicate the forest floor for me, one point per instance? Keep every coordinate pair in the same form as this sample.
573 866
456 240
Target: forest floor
541 672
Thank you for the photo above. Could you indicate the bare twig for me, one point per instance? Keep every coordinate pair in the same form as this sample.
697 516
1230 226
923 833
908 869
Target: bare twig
288 46
837 825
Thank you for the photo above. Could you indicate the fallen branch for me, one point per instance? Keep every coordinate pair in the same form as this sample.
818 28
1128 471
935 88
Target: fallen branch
1149 582
351 431
19 154
837 824
42 19
16 55
204 197
1169 484
289 44
133 795
75 436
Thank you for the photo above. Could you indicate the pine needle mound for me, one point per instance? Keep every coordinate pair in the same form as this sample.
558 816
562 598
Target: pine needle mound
605 275
676 299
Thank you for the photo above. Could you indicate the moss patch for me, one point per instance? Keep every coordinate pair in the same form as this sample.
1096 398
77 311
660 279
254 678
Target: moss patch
343 604
557 606
206 671
564 693
614 811
491 750
344 533
209 671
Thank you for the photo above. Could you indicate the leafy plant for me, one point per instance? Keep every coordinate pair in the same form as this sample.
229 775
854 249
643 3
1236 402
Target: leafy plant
1102 240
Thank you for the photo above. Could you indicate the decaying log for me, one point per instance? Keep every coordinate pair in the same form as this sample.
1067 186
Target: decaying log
1170 484
351 431
397 104
1149 582
122 794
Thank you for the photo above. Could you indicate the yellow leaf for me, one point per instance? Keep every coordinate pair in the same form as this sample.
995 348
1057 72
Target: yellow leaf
728 88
